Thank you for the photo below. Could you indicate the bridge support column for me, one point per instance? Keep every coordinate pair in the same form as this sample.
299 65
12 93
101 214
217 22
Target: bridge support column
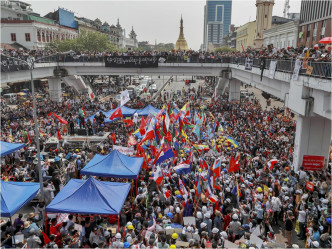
313 136
234 90
54 88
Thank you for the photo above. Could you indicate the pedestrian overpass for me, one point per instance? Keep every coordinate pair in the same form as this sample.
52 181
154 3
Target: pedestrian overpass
308 97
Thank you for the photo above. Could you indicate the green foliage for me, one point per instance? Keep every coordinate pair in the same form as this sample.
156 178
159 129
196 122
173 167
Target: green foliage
86 41
224 49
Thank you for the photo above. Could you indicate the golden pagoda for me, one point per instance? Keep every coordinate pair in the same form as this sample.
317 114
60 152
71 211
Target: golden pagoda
181 43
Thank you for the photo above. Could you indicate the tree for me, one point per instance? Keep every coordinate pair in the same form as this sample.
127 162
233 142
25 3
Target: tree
86 41
224 49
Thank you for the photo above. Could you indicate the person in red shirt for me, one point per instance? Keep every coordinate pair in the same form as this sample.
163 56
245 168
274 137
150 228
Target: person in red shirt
55 230
227 220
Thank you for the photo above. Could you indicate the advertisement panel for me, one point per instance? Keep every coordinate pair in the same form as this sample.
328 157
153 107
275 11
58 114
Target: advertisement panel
313 162
66 18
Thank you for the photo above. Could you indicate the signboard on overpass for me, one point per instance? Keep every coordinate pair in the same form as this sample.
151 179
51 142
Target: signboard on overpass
131 61
313 162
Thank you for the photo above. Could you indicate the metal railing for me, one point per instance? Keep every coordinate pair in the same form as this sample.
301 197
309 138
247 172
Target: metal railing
320 69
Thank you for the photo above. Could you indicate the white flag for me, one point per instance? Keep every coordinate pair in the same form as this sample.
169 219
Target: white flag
167 121
124 97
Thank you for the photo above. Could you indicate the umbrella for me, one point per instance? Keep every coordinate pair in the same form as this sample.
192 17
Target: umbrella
21 94
326 40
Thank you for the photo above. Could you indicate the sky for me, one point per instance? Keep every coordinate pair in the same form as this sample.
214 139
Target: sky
158 20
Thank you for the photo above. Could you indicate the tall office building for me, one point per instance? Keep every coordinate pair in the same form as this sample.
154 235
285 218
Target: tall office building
217 20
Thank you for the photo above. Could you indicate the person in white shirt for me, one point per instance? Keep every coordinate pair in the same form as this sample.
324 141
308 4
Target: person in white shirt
302 220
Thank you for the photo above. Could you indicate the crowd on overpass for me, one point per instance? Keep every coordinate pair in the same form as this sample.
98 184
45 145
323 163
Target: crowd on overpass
228 165
315 54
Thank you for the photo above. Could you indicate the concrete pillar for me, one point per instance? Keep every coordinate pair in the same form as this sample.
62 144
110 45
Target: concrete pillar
313 137
234 90
54 88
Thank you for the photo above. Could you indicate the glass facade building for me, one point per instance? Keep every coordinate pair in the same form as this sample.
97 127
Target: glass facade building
217 20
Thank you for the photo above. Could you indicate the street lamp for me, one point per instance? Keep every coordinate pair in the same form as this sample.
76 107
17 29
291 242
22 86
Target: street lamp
31 64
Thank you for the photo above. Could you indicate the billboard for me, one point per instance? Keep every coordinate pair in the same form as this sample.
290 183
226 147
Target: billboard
66 18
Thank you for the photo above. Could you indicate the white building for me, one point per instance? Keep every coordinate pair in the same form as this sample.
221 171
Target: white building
282 36
20 25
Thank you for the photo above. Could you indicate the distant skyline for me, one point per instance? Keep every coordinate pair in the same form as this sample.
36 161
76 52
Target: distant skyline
158 20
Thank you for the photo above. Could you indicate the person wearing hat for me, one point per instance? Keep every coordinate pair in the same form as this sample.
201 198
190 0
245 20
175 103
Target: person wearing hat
217 222
235 226
117 243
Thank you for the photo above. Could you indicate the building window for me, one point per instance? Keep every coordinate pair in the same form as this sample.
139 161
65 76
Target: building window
314 32
27 37
43 36
308 32
38 36
13 37
265 16
322 33
47 37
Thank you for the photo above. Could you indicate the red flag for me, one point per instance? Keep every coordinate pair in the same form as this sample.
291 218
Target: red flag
59 135
149 134
154 150
168 137
142 126
83 109
232 165
61 120
128 122
164 126
113 137
29 138
46 238
116 114
50 114
92 96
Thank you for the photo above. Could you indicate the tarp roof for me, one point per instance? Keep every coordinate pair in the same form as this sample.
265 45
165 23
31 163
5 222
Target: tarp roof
90 197
7 148
15 195
147 110
115 165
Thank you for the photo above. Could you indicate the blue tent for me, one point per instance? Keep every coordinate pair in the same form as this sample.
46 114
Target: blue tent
90 197
15 195
115 165
7 148
147 110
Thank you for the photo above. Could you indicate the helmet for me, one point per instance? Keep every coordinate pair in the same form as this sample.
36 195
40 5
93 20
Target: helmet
228 189
215 230
270 211
224 234
130 227
129 223
172 246
207 215
126 245
118 236
199 215
177 210
235 216
259 189
203 224
77 150
175 236
170 215
204 209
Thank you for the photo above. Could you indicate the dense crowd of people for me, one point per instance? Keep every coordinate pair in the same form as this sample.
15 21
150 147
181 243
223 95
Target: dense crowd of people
254 193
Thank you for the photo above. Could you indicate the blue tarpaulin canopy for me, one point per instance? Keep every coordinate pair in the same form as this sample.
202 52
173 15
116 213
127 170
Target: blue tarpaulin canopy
15 195
147 110
115 165
7 148
90 197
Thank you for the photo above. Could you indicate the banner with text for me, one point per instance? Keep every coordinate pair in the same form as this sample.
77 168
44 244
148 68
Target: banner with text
131 61
313 162
129 151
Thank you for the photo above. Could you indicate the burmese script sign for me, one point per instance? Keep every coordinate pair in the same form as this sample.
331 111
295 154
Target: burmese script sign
131 61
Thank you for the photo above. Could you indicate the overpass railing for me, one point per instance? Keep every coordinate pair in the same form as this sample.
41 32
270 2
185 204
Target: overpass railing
320 69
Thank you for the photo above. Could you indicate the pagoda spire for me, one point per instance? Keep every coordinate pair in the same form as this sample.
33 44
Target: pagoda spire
181 43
